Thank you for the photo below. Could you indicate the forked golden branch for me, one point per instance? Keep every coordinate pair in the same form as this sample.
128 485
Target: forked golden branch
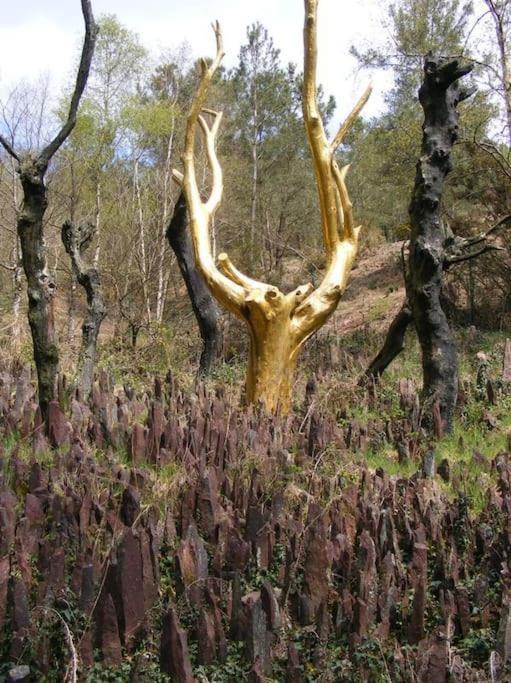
278 324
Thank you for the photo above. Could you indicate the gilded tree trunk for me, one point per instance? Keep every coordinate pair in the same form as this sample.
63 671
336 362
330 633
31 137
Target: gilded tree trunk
274 348
278 323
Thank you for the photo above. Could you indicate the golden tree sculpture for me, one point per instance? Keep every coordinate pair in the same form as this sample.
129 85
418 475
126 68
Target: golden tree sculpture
279 324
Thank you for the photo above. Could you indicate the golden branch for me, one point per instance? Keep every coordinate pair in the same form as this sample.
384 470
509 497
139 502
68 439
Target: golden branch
227 291
339 234
352 117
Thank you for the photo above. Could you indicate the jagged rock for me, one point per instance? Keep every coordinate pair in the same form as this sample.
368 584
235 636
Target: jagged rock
316 565
193 565
208 504
433 659
138 443
57 571
504 634
403 451
489 420
59 429
256 675
130 505
20 617
367 585
233 551
174 657
429 464
257 637
156 430
220 639
4 584
237 614
444 470
359 563
7 521
149 574
108 633
130 589
506 365
293 667
271 607
206 638
87 587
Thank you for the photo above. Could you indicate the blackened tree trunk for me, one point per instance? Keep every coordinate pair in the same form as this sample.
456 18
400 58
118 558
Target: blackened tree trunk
439 95
434 248
203 304
40 283
76 240
30 227
393 345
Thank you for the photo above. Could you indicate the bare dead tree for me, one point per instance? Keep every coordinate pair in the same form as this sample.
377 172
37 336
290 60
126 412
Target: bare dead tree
203 303
433 247
279 324
458 250
32 169
76 240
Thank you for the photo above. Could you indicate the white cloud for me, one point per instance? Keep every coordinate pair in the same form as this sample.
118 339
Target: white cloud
35 47
49 45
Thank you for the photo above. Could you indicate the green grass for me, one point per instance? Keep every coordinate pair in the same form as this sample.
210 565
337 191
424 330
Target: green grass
469 475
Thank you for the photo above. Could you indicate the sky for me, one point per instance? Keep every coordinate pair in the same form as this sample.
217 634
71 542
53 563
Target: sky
43 38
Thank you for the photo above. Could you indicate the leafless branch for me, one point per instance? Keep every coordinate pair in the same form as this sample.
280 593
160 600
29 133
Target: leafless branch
91 32
453 260
8 148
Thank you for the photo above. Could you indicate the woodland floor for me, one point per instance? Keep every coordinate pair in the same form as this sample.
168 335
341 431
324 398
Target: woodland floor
163 533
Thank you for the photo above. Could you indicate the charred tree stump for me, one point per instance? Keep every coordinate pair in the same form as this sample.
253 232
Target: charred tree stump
204 305
41 287
76 240
439 95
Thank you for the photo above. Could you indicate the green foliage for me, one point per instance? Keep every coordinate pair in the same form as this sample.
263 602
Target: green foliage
146 667
235 667
414 28
150 120
478 645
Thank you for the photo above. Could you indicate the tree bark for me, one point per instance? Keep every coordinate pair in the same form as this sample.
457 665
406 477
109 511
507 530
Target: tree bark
30 227
439 96
40 284
204 306
76 240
